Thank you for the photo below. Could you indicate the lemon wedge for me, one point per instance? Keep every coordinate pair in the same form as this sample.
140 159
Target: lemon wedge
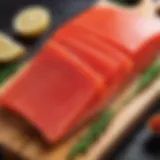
32 21
9 49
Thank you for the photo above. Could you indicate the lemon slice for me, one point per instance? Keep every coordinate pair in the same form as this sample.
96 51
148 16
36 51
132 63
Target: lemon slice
9 49
32 21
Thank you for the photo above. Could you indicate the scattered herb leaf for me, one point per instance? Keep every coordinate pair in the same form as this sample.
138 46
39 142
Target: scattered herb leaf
7 70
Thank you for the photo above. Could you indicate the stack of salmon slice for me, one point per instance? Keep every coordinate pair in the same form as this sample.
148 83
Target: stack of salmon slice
82 66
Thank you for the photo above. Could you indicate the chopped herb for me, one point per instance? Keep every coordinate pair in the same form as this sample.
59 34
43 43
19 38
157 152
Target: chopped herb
92 135
148 76
7 69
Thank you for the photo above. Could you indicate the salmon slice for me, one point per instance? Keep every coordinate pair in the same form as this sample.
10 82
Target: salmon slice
136 36
95 42
102 64
53 91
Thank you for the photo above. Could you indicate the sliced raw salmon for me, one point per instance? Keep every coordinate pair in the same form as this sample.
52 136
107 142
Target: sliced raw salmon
53 91
105 65
96 43
136 36
102 64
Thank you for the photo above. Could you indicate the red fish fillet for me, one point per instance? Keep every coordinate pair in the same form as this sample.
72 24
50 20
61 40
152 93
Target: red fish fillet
65 84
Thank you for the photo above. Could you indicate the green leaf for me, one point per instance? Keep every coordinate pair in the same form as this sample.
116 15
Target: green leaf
149 76
7 70
94 132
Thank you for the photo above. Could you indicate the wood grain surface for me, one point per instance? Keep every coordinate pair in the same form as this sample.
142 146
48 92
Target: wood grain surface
17 136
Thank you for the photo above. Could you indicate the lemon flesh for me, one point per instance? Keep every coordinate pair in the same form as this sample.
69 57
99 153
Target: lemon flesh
32 21
10 50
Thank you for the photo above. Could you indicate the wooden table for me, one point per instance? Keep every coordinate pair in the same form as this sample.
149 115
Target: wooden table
19 138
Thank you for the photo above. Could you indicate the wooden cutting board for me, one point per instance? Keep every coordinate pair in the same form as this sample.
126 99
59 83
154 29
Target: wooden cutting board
19 138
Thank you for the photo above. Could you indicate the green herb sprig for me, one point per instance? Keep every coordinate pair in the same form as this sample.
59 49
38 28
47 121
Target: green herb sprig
7 70
92 135
148 77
